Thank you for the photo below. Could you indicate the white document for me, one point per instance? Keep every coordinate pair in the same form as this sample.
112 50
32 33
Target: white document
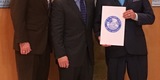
112 25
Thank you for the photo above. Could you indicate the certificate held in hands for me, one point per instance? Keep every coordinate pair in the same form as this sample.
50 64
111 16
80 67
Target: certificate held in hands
112 25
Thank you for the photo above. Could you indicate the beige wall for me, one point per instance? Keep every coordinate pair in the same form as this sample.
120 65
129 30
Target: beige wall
7 59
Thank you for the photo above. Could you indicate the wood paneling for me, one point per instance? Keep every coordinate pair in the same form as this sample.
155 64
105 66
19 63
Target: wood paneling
53 75
7 59
152 33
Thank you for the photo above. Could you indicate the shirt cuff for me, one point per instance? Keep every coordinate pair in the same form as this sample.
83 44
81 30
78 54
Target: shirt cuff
136 18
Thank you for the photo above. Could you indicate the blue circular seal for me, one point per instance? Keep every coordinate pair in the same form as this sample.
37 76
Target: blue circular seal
112 24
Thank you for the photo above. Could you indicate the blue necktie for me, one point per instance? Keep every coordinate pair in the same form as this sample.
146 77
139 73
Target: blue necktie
83 11
121 1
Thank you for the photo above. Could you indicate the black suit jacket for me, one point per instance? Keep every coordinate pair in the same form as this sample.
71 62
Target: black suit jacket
30 21
70 35
134 41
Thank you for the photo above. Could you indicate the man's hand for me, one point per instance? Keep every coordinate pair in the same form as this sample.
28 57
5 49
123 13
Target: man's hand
63 62
25 48
129 14
104 45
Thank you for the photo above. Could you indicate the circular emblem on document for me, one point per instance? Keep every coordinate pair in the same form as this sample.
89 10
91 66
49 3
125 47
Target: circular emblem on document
112 24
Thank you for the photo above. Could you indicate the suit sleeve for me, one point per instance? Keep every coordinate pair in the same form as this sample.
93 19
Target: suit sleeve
57 29
147 15
18 15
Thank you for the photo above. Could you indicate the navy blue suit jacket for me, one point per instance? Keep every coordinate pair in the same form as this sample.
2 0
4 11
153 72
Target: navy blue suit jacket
134 41
70 35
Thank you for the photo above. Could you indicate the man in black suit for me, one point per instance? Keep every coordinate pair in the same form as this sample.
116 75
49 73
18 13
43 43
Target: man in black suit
133 55
30 20
72 38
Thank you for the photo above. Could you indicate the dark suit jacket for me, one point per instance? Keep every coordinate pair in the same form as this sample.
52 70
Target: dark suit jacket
30 21
70 35
134 41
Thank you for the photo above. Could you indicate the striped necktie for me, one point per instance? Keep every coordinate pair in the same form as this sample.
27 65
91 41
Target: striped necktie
83 11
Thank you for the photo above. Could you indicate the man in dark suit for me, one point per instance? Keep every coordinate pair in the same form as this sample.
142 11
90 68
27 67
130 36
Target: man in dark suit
133 55
71 30
30 21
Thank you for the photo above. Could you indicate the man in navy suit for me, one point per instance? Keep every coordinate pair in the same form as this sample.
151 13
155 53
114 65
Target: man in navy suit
71 31
133 55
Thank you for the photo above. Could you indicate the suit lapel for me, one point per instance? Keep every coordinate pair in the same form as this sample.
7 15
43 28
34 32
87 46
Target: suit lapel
75 8
117 2
127 2
45 4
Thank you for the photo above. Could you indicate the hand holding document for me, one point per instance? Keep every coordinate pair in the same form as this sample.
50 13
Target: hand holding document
112 25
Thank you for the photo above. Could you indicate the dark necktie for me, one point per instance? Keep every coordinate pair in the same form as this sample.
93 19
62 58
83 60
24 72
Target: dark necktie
83 11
